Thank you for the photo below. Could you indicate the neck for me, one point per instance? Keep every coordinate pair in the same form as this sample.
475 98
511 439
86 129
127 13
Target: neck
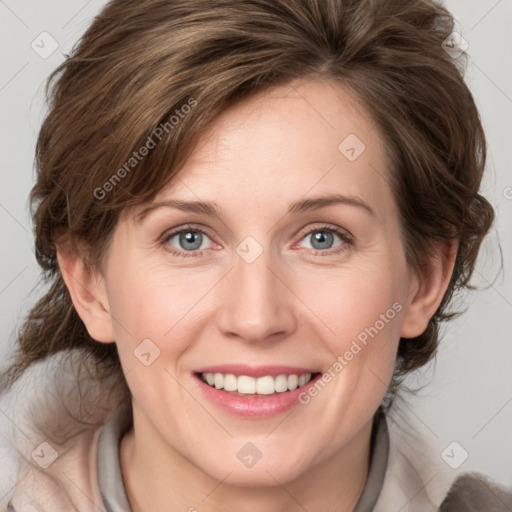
155 476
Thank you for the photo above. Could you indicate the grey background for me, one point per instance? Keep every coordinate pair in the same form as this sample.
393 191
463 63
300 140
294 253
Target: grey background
467 394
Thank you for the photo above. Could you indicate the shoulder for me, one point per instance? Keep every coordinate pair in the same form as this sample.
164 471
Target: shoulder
51 420
473 492
418 480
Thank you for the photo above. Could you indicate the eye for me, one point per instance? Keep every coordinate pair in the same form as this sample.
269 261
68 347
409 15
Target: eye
186 240
322 238
190 241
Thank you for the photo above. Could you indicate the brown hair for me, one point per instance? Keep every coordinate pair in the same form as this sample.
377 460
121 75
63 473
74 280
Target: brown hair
140 62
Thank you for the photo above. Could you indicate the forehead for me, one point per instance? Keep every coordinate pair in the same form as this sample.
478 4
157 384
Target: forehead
306 138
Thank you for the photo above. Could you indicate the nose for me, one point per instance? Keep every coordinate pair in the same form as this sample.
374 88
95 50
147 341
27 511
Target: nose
257 305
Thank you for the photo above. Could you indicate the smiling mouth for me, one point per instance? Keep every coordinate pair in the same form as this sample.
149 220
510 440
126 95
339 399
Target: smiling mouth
245 385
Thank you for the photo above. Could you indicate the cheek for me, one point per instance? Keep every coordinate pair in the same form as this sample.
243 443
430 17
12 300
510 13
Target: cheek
156 303
359 316
362 304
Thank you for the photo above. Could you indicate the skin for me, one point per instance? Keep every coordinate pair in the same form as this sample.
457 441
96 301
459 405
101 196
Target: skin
293 305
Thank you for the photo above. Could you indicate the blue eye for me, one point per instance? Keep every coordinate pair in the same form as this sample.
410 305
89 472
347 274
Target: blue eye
187 240
191 241
323 237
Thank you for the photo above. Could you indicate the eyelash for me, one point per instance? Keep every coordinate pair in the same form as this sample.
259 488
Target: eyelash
344 236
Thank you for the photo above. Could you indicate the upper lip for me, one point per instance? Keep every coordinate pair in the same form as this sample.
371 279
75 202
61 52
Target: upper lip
255 371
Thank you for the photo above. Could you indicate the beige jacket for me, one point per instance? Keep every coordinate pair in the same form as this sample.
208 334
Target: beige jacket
49 460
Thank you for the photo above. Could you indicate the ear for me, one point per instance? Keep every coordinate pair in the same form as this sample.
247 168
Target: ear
87 289
426 291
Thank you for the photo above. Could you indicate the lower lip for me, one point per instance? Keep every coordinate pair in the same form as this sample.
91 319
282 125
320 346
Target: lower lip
263 406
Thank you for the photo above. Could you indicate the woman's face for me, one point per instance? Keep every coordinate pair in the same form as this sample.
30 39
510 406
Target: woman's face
294 269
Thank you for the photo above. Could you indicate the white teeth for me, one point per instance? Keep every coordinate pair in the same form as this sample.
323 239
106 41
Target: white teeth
230 382
246 384
218 380
281 383
293 382
303 379
266 385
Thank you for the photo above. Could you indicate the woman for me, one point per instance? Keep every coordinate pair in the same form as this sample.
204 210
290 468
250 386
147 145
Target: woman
253 216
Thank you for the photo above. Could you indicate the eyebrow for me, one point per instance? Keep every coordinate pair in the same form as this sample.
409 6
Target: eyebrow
303 205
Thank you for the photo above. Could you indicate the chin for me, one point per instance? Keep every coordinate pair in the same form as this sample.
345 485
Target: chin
262 473
264 476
